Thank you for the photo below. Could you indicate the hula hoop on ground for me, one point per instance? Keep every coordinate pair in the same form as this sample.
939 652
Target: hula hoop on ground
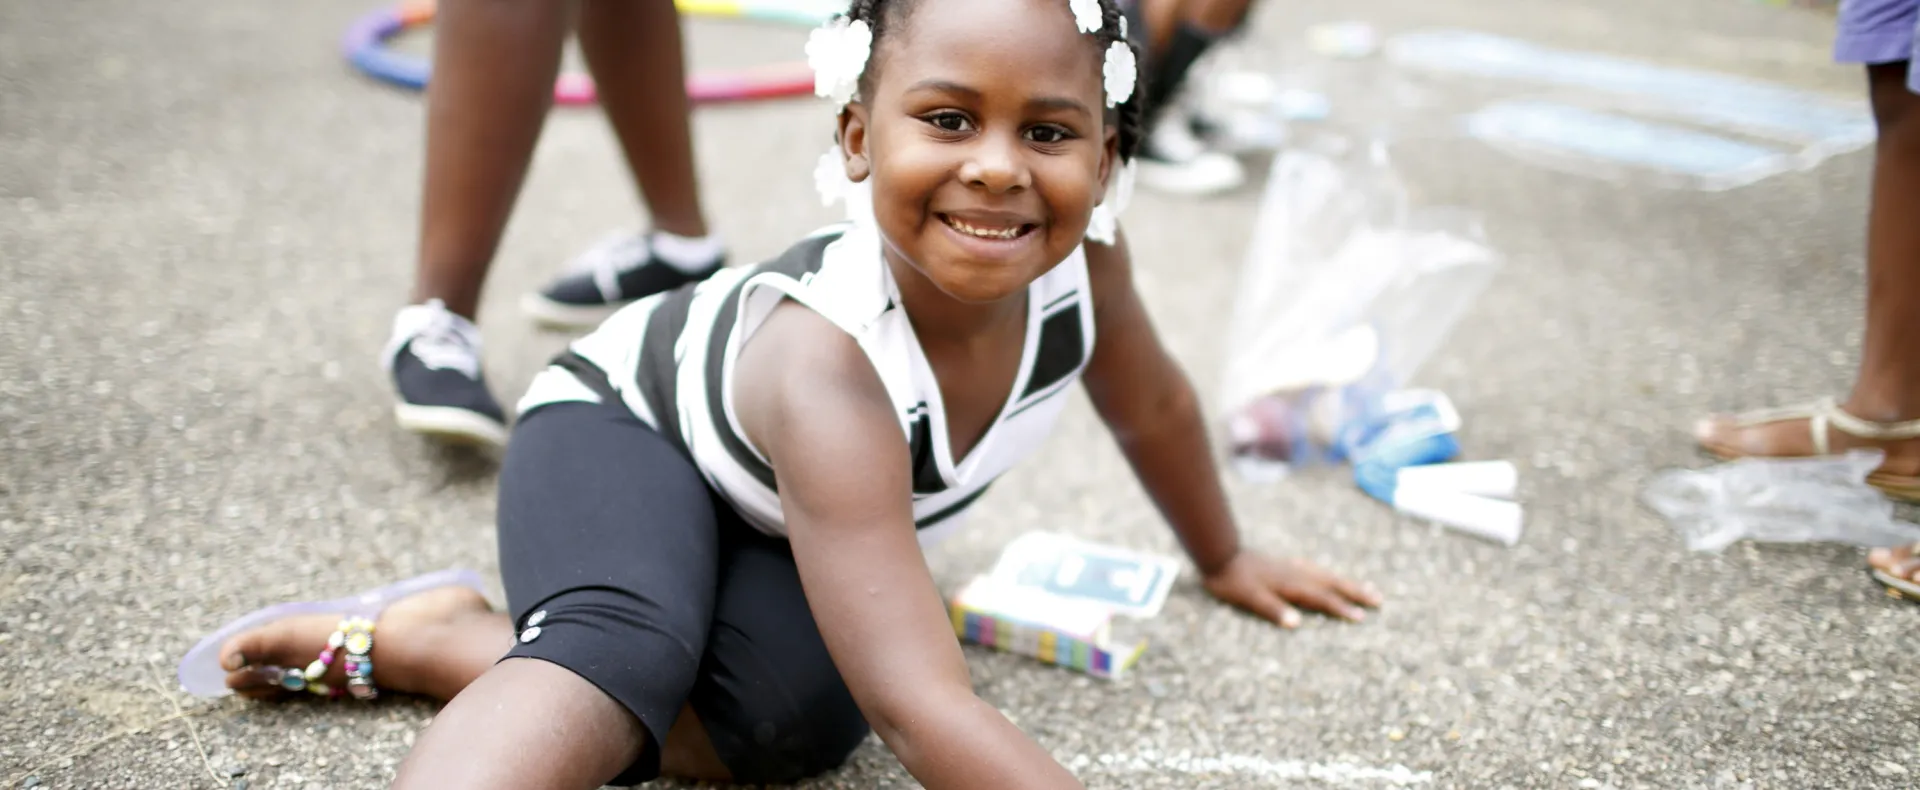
365 46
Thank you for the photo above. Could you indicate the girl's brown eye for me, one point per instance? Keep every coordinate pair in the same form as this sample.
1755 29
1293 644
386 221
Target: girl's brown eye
948 121
1047 134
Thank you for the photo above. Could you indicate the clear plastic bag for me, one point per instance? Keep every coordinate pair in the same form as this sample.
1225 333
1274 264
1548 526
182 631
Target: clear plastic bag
1344 294
1779 500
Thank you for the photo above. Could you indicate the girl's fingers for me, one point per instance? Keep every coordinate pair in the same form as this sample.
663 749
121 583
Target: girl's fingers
1324 598
1286 616
1268 604
1358 592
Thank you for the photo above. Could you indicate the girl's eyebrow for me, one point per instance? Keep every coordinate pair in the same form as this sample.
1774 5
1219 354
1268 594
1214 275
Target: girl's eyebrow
937 85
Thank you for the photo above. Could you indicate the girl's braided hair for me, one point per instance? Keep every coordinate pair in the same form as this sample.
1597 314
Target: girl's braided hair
883 15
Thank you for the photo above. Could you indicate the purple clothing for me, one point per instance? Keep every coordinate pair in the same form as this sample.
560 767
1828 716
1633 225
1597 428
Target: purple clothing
1879 31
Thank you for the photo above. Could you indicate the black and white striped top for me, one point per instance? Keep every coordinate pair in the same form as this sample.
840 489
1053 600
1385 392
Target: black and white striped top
669 358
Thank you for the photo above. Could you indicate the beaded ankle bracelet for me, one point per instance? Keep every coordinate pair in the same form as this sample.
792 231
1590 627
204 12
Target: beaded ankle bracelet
356 635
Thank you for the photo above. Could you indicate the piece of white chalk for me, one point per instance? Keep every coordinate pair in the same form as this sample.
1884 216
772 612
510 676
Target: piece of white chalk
1494 519
1497 479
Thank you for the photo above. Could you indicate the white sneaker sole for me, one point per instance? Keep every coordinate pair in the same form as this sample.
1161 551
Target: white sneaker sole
448 424
559 315
1210 174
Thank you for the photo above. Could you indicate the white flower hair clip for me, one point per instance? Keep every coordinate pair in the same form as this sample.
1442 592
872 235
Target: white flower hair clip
830 179
1104 226
1120 70
1086 14
837 51
1121 73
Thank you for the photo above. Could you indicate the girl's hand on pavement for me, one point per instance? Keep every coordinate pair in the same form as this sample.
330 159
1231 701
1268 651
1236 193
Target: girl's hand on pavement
1271 588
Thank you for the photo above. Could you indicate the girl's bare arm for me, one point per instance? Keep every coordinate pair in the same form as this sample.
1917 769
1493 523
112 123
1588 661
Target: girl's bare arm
1152 411
812 403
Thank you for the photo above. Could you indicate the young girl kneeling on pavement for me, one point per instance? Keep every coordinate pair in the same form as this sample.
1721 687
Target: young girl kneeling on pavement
711 511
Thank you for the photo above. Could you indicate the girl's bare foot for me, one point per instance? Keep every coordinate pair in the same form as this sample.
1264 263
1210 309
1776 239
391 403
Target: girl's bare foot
410 645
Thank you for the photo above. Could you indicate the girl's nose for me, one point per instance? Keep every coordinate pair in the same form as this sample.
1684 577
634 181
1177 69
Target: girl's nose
994 164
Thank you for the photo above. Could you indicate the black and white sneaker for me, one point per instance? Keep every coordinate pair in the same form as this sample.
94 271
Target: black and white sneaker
618 270
434 357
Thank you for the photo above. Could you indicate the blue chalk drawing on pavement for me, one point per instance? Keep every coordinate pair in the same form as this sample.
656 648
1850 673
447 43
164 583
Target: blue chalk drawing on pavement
1783 128
1540 126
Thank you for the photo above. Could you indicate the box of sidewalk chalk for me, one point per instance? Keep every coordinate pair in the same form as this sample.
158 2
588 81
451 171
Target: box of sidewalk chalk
1065 601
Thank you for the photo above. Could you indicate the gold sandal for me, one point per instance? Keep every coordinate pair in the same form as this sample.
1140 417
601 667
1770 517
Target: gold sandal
1822 415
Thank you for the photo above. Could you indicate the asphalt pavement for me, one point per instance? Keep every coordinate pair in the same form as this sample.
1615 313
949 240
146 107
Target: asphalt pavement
207 221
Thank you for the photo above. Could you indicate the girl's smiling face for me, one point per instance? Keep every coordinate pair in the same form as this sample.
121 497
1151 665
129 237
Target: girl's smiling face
982 126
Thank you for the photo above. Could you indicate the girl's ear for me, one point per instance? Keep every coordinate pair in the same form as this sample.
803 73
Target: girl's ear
853 141
1109 159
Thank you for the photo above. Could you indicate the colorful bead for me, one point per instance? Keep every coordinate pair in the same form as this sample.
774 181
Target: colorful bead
361 688
357 639
356 635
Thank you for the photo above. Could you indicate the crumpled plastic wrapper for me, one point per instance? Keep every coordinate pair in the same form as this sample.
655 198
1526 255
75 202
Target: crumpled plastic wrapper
1779 500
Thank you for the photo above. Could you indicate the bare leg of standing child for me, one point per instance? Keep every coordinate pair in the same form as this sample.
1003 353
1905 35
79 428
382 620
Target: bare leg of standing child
635 52
1177 33
1884 409
494 66
494 63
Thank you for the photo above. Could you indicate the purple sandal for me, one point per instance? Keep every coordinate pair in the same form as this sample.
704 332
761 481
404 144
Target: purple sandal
202 676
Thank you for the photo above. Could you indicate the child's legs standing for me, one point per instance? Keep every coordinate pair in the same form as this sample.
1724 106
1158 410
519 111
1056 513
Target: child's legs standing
1888 388
635 53
1882 35
609 552
494 63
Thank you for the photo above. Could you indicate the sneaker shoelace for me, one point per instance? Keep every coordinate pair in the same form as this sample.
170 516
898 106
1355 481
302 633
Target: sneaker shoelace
609 259
439 339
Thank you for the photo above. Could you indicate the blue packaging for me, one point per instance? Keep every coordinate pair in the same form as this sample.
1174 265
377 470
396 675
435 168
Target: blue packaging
1416 428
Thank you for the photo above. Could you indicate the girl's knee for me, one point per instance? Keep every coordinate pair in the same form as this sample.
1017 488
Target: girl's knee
794 747
787 734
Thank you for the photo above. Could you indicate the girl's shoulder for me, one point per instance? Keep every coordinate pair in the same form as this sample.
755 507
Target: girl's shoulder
836 271
807 255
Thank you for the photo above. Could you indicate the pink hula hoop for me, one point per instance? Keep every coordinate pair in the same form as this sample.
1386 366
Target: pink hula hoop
365 47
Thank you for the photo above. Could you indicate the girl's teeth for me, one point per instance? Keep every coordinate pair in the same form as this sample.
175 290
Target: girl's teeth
1005 233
